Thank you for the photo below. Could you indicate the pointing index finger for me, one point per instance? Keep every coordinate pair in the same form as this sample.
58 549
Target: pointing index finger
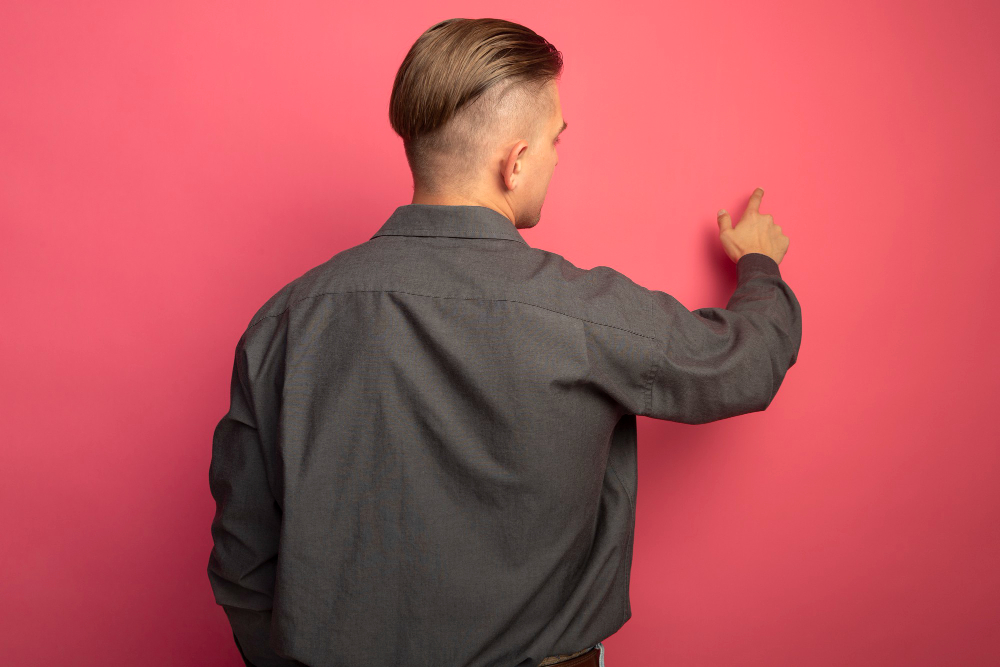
755 198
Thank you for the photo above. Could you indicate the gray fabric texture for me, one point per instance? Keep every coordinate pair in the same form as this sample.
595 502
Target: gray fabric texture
429 456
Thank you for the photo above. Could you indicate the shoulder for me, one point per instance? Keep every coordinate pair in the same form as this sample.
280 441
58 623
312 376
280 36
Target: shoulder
601 294
318 280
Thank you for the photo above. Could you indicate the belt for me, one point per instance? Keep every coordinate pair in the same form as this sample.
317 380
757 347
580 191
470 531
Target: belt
586 658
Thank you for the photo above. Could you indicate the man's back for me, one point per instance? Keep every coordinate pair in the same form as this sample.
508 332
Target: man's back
440 425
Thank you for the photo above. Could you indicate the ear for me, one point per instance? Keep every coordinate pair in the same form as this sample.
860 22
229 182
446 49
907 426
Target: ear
512 165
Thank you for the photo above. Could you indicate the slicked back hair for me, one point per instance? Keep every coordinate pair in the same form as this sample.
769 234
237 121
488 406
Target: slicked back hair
465 87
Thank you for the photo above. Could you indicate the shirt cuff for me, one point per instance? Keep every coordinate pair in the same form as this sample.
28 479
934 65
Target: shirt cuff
753 262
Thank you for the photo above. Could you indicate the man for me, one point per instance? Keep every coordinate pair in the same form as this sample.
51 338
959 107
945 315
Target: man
430 452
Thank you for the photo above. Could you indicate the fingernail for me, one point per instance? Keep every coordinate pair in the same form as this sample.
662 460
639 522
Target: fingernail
721 211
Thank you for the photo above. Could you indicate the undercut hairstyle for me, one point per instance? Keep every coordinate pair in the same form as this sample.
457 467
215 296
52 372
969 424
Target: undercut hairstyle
465 88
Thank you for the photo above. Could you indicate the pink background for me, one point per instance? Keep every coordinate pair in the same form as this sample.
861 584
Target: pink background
165 169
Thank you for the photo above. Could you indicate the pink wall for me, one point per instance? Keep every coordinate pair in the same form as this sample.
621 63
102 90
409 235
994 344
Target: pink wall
164 170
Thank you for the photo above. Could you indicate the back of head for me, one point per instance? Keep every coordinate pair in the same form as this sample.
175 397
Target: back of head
465 88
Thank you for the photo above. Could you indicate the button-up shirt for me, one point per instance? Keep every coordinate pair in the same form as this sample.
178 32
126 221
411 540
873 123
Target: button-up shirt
429 456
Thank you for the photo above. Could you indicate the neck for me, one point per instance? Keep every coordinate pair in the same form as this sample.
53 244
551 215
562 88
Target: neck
502 207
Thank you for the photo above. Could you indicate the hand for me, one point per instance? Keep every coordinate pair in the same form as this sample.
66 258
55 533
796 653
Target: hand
755 232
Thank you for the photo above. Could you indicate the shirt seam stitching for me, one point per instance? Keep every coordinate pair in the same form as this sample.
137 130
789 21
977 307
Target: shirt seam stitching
437 296
653 366
627 535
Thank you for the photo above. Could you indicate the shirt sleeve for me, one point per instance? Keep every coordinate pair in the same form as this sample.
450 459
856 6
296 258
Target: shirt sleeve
713 363
246 526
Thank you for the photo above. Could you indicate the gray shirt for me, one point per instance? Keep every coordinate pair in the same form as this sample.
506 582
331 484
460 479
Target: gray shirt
429 456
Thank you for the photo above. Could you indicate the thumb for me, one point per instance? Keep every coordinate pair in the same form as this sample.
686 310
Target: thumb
724 221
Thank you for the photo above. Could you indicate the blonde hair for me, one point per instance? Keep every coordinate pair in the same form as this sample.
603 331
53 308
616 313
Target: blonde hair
465 86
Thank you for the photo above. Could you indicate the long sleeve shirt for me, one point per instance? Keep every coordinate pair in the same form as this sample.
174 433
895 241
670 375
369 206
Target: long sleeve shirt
429 456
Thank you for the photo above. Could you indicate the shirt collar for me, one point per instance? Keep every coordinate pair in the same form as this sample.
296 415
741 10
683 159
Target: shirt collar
468 222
